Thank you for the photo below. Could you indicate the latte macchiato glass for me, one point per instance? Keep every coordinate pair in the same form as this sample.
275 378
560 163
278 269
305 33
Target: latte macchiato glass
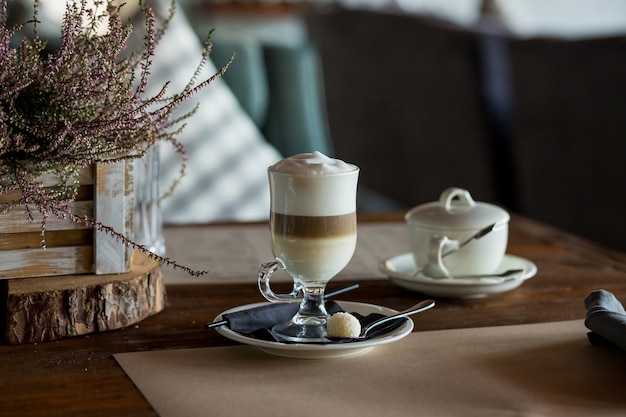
313 236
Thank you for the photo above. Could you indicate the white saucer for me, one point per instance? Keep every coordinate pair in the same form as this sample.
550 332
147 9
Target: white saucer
317 351
401 272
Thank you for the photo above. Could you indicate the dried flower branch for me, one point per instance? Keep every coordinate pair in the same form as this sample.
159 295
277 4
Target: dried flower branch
83 103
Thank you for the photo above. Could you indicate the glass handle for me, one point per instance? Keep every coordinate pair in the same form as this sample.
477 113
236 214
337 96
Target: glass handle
265 273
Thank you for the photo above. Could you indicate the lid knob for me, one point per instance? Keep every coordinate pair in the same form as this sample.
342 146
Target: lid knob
448 195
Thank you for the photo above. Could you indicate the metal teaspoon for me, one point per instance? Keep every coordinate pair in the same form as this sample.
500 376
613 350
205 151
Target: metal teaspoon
417 308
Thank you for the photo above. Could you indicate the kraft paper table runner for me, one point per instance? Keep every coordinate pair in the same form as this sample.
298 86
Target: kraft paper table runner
525 370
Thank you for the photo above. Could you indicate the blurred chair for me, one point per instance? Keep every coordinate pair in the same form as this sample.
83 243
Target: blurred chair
569 134
536 125
281 88
404 103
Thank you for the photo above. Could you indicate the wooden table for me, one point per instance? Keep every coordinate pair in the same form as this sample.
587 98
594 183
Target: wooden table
79 376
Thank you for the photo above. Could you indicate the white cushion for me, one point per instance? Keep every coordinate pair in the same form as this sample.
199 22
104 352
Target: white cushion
228 157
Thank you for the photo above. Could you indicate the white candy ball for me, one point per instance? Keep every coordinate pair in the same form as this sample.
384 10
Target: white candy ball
343 325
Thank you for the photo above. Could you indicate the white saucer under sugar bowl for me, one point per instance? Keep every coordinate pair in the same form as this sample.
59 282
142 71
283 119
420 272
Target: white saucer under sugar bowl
446 240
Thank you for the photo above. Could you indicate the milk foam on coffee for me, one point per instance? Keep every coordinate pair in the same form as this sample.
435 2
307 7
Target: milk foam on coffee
313 184
315 163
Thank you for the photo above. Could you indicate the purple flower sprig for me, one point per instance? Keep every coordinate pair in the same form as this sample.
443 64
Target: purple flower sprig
81 104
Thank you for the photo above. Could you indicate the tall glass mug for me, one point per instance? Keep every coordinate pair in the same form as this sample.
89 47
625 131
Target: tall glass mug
313 236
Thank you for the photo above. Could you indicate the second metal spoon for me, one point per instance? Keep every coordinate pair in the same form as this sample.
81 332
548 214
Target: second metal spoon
417 308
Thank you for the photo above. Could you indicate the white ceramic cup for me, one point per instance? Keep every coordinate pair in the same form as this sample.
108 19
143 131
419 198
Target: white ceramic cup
437 229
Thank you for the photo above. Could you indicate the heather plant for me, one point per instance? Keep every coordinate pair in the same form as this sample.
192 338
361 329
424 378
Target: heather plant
82 103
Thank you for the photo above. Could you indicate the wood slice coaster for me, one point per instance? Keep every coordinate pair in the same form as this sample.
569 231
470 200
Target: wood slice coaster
48 308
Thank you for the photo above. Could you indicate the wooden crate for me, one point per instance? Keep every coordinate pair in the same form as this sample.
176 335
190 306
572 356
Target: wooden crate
106 193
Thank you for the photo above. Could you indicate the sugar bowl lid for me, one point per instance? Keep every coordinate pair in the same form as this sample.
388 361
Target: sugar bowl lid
456 210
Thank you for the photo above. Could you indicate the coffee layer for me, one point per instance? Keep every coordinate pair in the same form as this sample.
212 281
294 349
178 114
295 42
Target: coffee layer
313 226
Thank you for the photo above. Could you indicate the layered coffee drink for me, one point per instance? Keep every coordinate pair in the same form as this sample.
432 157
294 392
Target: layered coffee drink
313 216
313 234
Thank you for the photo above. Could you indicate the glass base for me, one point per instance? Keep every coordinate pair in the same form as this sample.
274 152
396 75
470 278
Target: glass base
312 332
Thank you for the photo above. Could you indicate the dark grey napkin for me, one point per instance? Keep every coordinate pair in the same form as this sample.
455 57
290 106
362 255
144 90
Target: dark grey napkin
606 318
256 322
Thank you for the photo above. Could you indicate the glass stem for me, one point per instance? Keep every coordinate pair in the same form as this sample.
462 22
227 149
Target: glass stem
312 309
